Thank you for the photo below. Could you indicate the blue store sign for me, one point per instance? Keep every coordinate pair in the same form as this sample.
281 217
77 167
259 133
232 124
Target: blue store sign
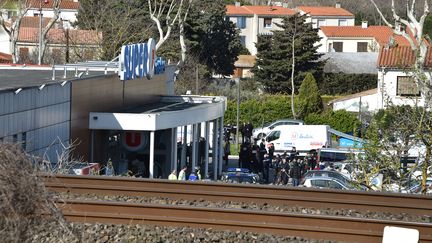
139 60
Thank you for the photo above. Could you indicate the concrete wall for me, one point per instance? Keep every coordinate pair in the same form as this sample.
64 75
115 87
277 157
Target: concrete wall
37 119
368 103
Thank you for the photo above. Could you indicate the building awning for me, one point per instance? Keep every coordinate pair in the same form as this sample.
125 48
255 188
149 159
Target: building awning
169 112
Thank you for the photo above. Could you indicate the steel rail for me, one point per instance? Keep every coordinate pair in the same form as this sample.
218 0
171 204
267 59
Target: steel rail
273 195
309 226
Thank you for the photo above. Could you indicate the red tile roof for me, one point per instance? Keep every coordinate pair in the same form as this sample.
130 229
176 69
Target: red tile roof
325 11
259 10
57 36
400 57
5 58
65 4
33 22
380 33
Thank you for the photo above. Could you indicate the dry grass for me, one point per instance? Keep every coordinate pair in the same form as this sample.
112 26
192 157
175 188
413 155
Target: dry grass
25 204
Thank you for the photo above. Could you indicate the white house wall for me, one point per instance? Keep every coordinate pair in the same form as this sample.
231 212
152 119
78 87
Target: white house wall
387 85
65 14
349 44
40 118
4 42
255 27
330 21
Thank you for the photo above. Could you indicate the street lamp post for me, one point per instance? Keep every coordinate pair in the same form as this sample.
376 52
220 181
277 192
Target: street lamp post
238 110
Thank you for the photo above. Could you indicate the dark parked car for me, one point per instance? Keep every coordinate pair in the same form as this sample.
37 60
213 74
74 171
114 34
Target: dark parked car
240 175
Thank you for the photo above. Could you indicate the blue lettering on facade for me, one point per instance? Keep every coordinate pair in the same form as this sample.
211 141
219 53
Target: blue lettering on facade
139 60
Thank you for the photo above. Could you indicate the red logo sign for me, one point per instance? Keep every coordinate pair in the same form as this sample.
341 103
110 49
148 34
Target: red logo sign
133 141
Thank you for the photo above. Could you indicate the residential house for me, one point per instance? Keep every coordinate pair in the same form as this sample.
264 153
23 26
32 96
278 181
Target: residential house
362 38
5 58
63 44
256 20
327 16
395 85
69 10
243 66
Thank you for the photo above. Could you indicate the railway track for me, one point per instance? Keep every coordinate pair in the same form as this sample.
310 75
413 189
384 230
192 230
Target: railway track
309 226
306 197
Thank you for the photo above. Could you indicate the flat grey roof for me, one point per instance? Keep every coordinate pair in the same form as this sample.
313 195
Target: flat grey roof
168 112
11 79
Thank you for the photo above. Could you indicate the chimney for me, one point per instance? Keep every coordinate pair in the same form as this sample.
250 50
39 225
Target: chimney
398 26
338 5
364 24
237 4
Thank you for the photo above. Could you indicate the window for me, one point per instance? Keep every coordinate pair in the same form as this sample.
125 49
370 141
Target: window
273 136
11 14
343 22
24 141
24 55
319 183
321 22
241 22
267 22
338 46
334 185
15 138
406 86
243 40
362 46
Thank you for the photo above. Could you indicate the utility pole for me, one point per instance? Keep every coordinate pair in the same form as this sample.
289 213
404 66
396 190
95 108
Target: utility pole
238 110
196 80
40 33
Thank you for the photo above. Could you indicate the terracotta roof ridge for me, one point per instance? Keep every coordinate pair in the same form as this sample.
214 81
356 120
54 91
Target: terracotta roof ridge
247 9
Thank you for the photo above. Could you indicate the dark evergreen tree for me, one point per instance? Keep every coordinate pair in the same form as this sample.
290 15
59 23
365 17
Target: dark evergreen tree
212 38
274 58
309 99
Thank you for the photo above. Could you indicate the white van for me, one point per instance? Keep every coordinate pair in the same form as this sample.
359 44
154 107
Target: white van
262 132
303 138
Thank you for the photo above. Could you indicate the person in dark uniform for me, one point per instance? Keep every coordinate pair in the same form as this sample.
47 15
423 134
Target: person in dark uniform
295 173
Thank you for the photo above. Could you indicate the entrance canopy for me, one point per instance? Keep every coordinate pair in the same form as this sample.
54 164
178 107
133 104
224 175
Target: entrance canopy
169 112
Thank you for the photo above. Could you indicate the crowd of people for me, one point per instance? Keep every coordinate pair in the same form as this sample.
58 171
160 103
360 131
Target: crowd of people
277 169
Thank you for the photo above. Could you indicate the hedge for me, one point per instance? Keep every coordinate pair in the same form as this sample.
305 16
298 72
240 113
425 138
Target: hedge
269 108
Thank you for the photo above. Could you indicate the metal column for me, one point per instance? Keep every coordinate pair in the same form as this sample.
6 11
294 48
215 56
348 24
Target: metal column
221 150
215 149
151 160
194 145
184 148
206 153
92 135
174 149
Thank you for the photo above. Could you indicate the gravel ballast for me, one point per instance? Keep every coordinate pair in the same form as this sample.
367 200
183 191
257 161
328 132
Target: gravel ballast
102 233
252 206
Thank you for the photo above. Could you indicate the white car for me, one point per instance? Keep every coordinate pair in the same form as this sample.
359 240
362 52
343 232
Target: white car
262 132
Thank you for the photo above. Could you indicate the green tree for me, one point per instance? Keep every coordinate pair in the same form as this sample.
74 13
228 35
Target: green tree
212 37
120 22
275 56
309 98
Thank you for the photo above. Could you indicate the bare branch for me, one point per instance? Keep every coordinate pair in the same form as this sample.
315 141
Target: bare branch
381 14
